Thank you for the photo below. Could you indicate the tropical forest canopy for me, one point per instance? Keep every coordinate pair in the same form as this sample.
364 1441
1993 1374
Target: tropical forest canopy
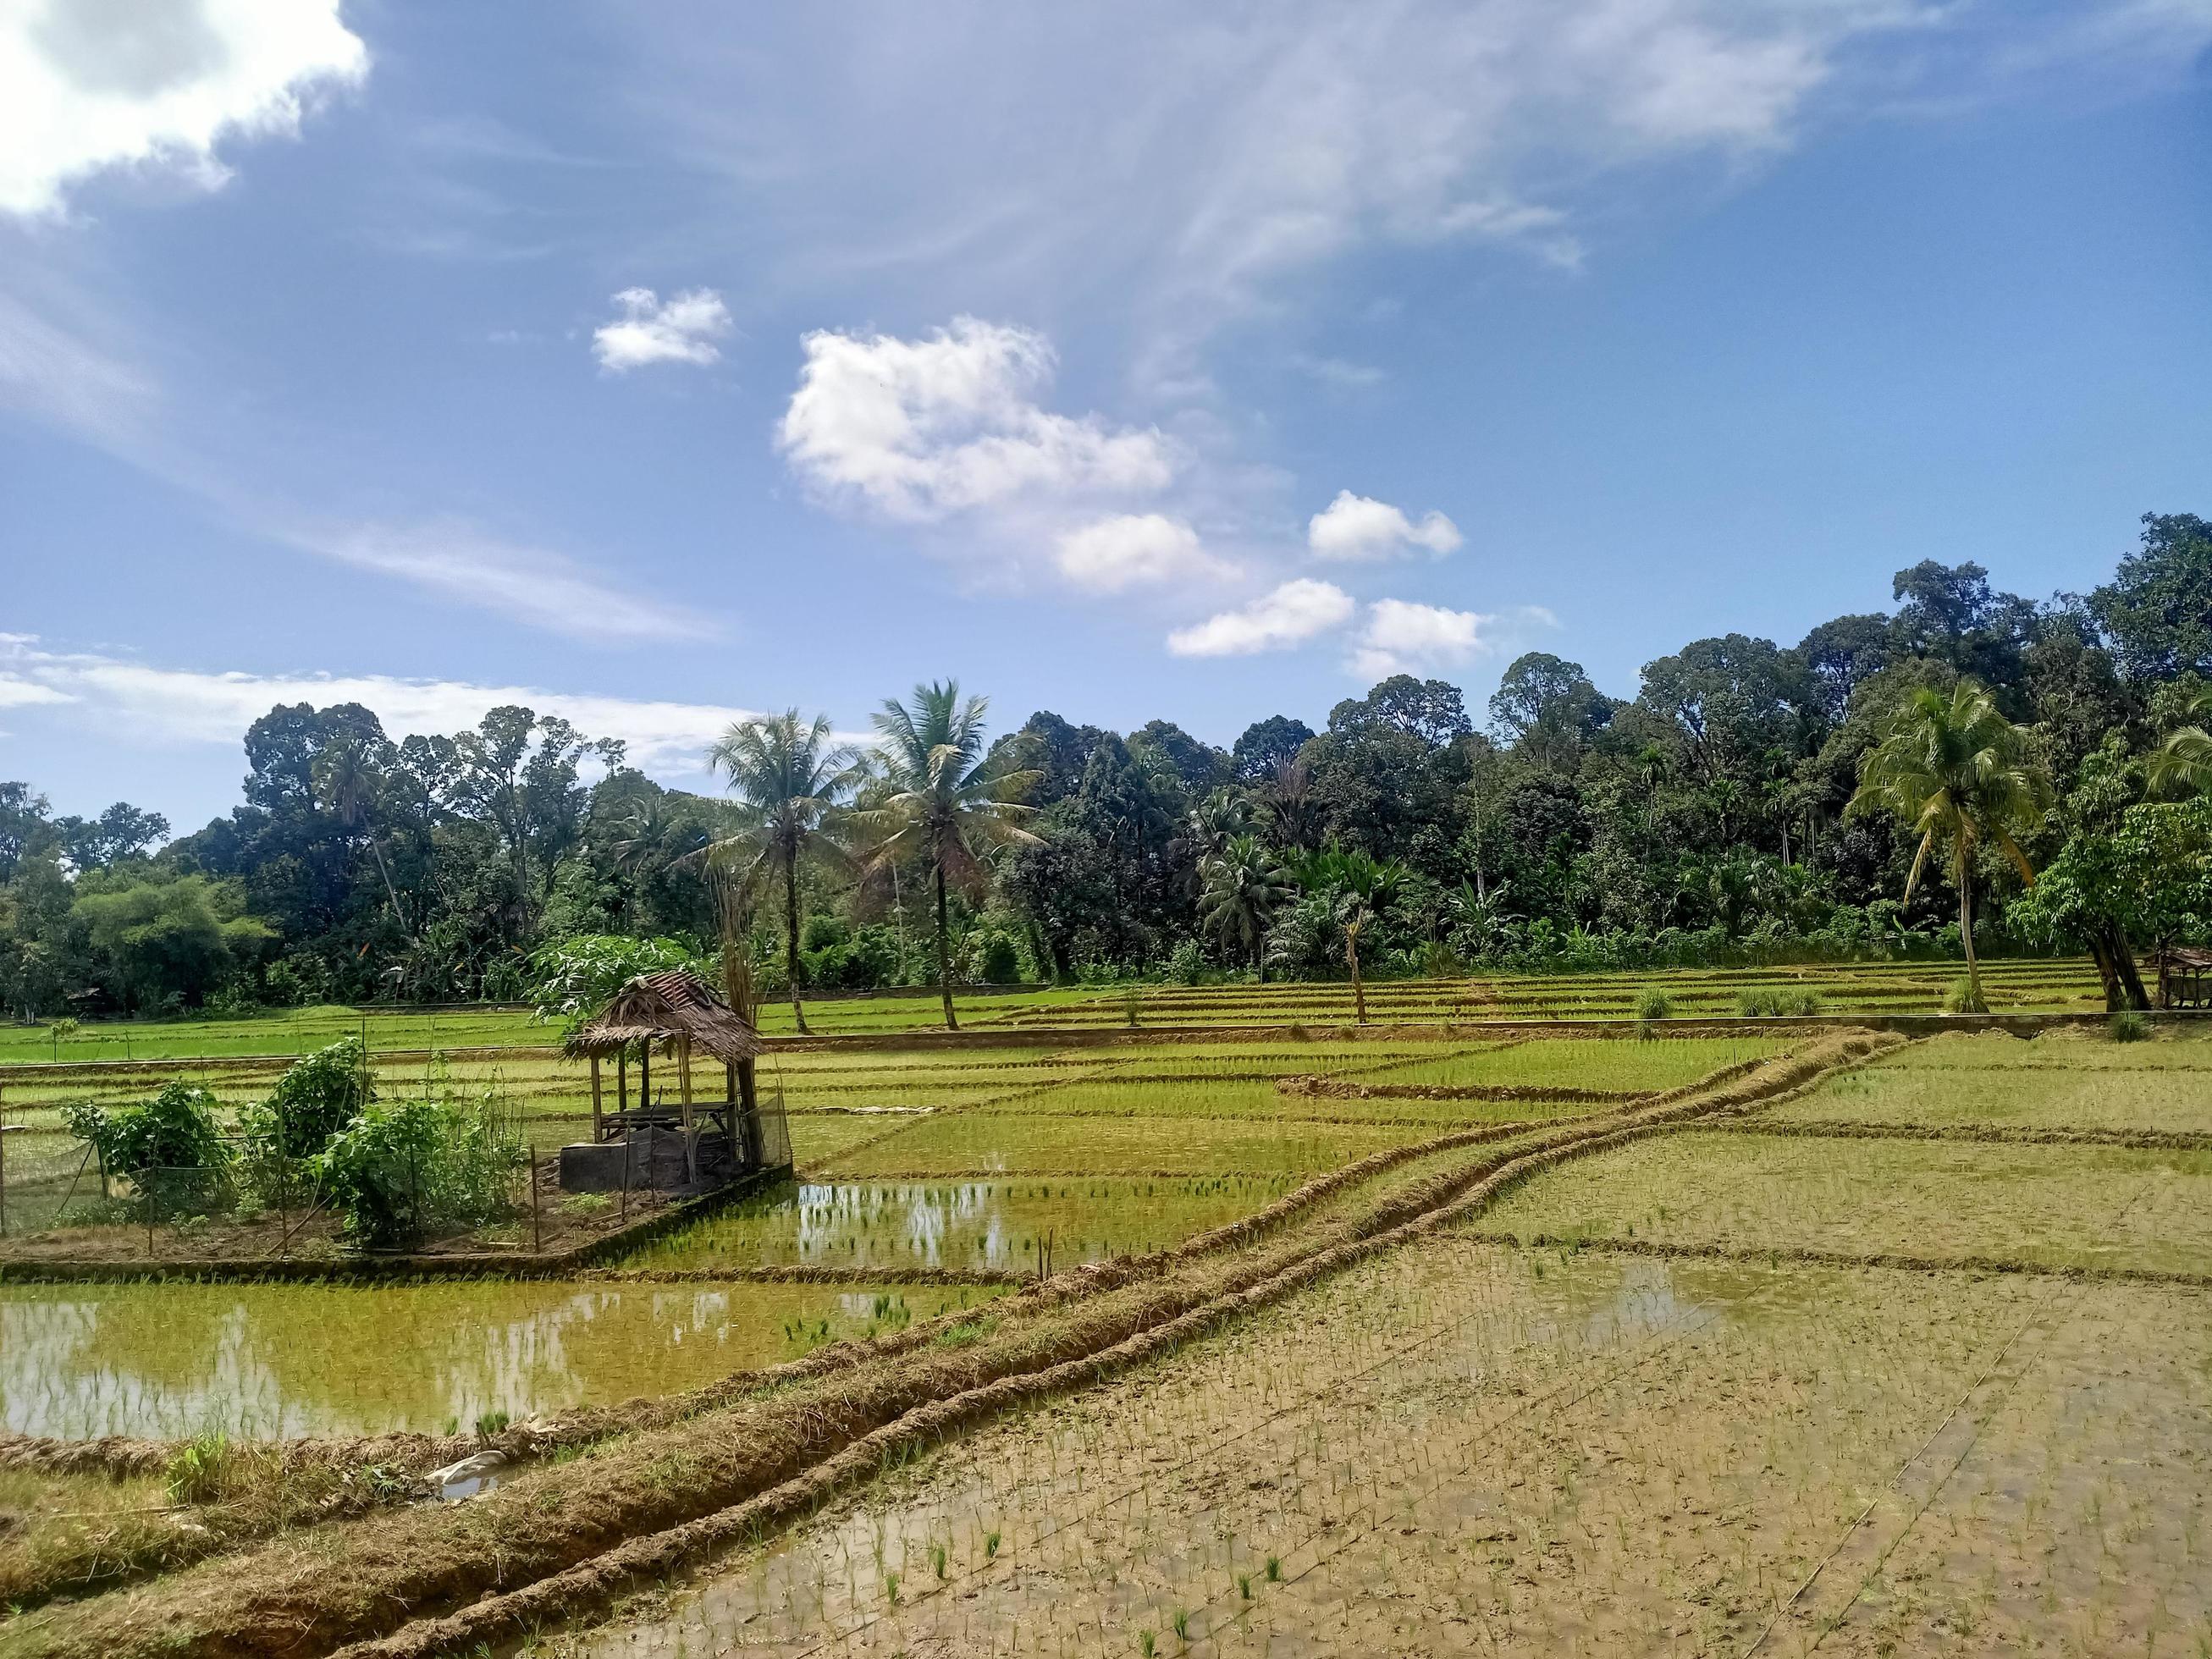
1710 818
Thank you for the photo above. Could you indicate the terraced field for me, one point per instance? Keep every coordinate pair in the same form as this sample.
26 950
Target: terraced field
1529 1343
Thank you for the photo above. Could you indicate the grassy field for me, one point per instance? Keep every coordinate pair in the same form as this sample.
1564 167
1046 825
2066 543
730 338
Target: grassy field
2044 986
1807 1361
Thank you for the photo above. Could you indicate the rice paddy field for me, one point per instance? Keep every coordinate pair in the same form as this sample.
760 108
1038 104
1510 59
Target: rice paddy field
1762 1342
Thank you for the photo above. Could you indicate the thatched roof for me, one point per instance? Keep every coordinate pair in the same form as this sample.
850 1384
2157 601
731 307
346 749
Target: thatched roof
2181 957
666 1008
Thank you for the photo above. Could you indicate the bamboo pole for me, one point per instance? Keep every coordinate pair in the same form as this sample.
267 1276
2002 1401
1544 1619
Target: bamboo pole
537 1219
599 1125
690 1133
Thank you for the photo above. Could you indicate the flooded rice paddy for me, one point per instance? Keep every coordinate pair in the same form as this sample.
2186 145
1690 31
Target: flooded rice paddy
170 1360
998 1226
1464 1448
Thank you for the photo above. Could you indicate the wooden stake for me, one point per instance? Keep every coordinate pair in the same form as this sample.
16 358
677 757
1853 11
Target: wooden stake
599 1125
537 1221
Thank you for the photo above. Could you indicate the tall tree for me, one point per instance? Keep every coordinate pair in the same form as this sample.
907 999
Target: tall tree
949 803
1956 772
2157 609
790 781
1245 885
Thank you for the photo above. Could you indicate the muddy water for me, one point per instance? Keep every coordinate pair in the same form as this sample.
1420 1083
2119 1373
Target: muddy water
998 1225
171 1360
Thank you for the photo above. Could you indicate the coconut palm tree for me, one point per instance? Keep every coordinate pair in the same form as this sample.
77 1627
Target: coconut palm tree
1956 772
789 779
947 802
1245 884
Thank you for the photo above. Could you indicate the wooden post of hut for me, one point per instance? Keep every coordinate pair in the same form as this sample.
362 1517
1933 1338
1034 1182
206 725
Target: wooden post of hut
598 1115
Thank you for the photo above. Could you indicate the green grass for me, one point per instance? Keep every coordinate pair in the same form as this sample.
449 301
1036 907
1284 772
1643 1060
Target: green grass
2057 1206
984 1145
1871 987
2027 1096
1624 1065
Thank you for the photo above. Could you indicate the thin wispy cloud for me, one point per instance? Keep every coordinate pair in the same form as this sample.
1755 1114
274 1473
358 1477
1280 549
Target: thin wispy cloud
161 705
459 562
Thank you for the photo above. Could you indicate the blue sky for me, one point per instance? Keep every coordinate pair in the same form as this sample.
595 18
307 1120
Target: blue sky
657 363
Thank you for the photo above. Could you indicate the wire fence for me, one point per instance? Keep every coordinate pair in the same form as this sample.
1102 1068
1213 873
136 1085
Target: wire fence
261 1202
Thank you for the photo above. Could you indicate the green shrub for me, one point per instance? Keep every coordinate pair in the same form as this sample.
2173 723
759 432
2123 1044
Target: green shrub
1186 963
195 1472
2129 1025
1652 1002
399 1171
312 1101
170 1146
1962 999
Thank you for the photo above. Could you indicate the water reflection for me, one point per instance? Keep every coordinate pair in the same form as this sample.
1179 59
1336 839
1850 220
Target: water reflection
996 1224
171 1360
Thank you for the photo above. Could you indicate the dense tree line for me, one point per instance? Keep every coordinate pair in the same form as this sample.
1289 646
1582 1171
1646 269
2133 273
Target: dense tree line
1709 818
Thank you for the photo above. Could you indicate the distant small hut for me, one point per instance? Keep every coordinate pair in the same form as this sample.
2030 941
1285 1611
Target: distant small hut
672 1134
2184 976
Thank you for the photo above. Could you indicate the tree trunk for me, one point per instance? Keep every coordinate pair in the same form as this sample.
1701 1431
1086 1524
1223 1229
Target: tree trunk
2116 966
944 959
2108 971
391 893
1966 934
791 936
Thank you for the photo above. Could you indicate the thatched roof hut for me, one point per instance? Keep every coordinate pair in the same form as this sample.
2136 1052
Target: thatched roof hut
674 1011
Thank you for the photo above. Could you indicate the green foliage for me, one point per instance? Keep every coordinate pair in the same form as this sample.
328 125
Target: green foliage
1652 1002
2129 1025
312 1101
571 978
171 938
403 1170
195 1472
176 1129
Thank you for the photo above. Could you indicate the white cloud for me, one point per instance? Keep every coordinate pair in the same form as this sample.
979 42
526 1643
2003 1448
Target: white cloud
1356 527
168 705
90 84
455 559
681 329
1402 637
1291 615
920 430
1134 550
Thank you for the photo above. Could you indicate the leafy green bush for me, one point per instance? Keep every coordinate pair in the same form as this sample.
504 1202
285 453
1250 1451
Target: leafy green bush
401 1171
2129 1025
175 1129
312 1101
1652 1002
171 1146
